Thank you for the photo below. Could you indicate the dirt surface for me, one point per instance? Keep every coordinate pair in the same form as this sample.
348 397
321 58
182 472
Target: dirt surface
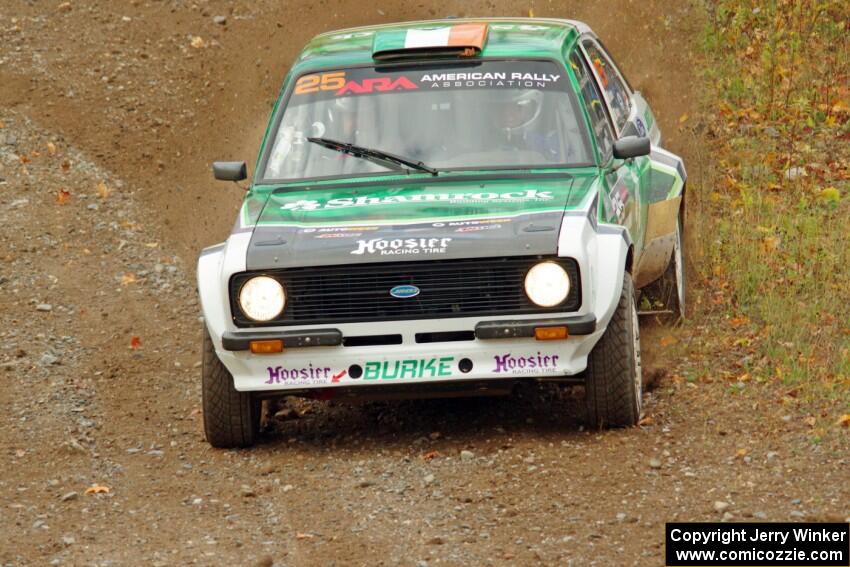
110 120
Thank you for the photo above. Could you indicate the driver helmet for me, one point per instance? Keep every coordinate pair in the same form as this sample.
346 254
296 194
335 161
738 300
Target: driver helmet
520 111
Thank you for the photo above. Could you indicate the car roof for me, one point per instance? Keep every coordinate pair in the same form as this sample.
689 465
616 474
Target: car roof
507 37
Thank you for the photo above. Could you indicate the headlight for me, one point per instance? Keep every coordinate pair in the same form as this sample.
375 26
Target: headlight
262 298
547 284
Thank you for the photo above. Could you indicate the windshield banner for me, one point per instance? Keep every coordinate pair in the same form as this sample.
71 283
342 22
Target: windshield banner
538 75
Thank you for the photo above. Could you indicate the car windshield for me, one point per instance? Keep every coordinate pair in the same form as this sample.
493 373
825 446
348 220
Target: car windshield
488 114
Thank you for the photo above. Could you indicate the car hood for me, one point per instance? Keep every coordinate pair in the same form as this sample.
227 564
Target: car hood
341 224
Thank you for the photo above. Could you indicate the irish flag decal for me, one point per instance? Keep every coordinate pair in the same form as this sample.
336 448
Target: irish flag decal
465 39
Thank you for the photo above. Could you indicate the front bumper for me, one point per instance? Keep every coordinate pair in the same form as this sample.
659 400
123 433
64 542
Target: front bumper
508 329
516 357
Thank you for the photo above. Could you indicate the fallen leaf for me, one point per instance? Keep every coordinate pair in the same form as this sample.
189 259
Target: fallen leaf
667 341
135 342
97 489
741 453
63 196
197 42
844 420
2 125
127 279
51 148
810 421
24 159
738 321
151 244
646 420
300 535
830 195
683 118
430 455
103 190
20 453
66 165
771 243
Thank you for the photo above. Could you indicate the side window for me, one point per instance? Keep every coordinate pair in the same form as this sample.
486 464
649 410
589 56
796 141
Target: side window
609 79
595 106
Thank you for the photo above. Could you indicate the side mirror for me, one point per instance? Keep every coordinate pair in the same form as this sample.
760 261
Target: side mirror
631 147
230 170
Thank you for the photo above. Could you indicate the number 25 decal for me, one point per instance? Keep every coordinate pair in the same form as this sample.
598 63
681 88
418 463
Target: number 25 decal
323 82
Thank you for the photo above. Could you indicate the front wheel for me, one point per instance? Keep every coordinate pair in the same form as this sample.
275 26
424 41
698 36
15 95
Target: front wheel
613 380
231 418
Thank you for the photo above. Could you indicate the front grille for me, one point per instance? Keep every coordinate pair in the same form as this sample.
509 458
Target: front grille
448 288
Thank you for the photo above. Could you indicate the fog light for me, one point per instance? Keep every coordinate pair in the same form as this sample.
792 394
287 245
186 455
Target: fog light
267 347
550 333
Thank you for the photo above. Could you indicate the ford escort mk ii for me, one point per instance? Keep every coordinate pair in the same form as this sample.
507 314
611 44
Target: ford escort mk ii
443 208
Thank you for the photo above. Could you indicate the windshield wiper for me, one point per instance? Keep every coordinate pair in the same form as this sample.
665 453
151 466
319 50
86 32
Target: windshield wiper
376 156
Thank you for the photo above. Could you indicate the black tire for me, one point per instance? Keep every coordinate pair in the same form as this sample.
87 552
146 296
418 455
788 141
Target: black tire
670 291
613 380
231 418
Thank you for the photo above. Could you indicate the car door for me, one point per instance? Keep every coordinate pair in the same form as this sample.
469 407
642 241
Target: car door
620 181
661 175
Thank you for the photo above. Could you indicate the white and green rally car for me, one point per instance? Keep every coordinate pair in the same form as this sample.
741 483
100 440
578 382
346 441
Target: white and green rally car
443 208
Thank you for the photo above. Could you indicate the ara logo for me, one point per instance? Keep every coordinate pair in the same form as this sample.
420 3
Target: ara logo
404 291
379 84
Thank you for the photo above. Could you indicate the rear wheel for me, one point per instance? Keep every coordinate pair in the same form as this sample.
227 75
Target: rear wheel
613 381
231 418
669 293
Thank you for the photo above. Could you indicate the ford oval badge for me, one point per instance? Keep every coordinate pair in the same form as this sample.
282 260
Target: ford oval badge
404 291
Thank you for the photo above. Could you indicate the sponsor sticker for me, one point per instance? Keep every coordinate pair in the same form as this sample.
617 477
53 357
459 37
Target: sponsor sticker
298 375
532 364
496 79
619 198
339 235
478 228
442 198
639 126
402 246
414 368
339 85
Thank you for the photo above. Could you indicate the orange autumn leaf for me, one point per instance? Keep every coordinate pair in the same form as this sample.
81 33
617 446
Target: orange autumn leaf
430 455
844 420
135 342
300 535
63 196
97 489
667 341
646 420
103 190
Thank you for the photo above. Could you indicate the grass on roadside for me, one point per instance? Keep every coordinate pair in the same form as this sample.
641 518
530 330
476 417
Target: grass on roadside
770 210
